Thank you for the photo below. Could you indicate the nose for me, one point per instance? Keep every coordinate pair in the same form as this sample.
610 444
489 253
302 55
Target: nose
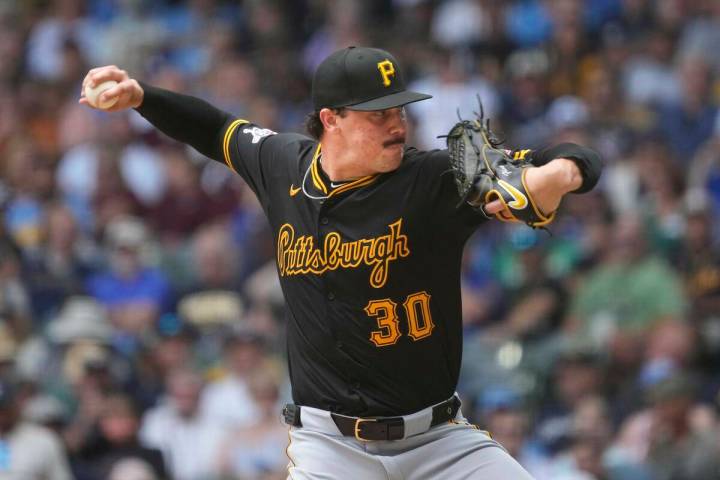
398 123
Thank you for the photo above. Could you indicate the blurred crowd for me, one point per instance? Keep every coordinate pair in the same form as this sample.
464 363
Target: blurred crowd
141 322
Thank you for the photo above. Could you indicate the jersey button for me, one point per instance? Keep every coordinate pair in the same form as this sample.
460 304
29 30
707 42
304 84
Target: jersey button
324 221
331 296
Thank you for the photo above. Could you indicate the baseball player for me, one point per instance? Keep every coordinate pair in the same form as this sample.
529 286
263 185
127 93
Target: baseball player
369 236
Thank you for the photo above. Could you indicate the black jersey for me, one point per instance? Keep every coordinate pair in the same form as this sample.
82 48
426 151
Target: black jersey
370 270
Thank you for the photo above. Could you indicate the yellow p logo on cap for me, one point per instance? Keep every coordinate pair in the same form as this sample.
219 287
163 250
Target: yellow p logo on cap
387 69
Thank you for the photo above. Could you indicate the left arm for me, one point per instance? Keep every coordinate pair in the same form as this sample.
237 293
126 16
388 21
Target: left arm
516 186
559 170
550 182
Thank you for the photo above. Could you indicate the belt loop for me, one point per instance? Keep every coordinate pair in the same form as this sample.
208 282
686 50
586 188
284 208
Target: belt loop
454 407
291 414
446 411
456 403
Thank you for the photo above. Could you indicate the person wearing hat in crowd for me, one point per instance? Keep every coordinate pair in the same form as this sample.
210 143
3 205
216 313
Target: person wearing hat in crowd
134 292
82 369
188 439
115 438
369 236
677 447
674 436
172 347
506 417
577 375
257 451
27 451
57 271
227 401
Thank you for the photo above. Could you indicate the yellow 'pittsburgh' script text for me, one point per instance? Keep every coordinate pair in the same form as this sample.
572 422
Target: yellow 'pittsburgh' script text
298 256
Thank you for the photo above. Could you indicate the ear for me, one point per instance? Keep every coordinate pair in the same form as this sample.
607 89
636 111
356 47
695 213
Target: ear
328 119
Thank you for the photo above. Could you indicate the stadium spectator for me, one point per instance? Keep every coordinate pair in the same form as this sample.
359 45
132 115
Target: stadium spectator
228 401
256 452
29 451
189 441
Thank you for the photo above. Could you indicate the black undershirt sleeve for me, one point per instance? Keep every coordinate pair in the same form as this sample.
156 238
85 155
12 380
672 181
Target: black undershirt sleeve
588 161
185 118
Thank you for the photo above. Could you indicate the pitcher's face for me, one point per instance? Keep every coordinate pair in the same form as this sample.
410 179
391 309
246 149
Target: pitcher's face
376 138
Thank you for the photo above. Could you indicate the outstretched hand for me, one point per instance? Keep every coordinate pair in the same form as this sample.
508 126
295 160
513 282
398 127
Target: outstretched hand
128 91
547 184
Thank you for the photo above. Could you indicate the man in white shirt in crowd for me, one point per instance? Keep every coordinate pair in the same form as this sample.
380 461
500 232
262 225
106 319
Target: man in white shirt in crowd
188 439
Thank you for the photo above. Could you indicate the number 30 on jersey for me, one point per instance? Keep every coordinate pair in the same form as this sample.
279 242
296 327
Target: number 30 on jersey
417 313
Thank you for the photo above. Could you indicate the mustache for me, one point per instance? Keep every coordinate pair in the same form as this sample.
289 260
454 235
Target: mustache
394 141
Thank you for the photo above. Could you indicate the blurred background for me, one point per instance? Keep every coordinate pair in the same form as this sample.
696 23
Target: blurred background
141 323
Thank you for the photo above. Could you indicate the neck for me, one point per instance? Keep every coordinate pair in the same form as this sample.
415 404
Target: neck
339 165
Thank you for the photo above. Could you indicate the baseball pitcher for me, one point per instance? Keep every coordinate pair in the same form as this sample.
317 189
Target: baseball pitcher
369 234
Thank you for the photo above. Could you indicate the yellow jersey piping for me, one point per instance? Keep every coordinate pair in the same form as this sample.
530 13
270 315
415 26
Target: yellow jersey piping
226 141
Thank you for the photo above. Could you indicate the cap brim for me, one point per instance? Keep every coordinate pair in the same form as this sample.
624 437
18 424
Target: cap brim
390 101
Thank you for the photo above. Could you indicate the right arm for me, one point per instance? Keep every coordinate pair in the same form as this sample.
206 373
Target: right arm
187 119
253 152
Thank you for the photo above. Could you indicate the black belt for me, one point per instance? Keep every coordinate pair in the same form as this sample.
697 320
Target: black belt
381 428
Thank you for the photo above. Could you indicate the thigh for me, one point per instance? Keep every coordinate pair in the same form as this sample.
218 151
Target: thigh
318 456
458 452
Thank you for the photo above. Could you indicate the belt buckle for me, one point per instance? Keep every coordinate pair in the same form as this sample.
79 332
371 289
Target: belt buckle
359 422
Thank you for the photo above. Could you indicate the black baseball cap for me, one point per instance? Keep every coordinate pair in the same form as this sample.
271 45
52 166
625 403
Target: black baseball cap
361 78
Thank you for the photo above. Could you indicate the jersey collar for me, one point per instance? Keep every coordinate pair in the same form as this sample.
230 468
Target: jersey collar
323 184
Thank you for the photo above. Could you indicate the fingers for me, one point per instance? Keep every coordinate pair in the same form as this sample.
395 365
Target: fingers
125 96
128 92
102 74
99 75
493 207
116 91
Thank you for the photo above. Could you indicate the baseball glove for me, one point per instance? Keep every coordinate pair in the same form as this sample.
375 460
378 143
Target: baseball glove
483 173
